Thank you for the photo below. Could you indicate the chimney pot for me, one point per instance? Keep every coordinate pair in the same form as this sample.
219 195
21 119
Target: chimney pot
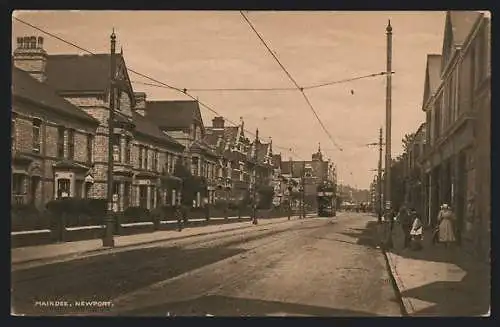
218 122
19 42
40 42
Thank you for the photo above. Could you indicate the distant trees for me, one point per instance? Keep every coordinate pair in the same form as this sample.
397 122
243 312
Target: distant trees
190 184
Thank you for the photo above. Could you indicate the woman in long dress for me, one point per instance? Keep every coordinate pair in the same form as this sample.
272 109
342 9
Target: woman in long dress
446 219
416 231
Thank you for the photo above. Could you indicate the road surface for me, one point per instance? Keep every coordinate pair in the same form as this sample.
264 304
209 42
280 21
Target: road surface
308 267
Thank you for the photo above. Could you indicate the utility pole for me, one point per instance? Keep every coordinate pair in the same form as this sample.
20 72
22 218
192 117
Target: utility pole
388 115
108 240
303 183
379 177
255 157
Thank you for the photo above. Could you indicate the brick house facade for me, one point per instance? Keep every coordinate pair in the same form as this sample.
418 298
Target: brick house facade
143 155
52 143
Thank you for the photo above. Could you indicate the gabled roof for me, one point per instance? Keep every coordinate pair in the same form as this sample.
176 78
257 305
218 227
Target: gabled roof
458 26
262 150
230 133
174 114
212 139
83 73
26 87
149 128
432 76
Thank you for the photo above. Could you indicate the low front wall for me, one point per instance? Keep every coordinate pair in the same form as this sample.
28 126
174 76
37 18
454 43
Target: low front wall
72 234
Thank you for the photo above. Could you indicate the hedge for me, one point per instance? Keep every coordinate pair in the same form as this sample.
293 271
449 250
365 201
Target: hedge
78 212
28 217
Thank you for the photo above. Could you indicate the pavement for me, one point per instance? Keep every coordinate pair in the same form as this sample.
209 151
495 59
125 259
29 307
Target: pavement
438 281
41 254
306 267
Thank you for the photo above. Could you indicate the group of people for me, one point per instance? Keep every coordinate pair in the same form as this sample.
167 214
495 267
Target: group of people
412 226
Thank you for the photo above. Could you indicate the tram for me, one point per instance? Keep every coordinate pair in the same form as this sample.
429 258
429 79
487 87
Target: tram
326 200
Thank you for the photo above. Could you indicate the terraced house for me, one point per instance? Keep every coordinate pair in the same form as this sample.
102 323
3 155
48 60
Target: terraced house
243 164
143 155
52 140
233 148
457 104
182 121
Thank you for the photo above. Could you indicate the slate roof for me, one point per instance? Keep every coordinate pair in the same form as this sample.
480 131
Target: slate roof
173 114
297 167
148 128
73 72
432 76
27 87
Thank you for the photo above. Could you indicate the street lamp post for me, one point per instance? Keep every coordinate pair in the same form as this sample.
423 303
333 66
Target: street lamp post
108 239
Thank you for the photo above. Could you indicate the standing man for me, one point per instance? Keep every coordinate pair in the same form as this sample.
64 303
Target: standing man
405 220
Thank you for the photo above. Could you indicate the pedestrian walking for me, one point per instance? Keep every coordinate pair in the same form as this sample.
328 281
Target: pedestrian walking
446 222
254 214
416 232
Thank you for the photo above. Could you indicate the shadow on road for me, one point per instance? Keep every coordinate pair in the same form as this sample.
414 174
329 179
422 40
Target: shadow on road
107 276
236 307
367 236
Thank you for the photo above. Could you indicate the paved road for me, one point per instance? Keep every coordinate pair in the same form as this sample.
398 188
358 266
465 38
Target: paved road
311 267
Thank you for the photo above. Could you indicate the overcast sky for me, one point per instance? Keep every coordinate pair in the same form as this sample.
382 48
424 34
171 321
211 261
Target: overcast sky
209 49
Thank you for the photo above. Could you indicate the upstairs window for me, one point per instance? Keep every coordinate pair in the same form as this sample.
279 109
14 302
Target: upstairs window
127 149
71 144
89 148
116 147
145 166
60 142
194 166
155 160
37 125
141 154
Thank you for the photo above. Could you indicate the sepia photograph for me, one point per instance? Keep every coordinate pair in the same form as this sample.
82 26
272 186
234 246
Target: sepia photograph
240 163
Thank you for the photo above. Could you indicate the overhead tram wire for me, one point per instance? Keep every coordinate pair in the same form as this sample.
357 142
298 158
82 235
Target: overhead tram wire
183 91
272 89
292 79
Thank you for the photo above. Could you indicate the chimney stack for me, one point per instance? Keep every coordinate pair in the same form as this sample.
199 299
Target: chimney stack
31 57
140 103
218 122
